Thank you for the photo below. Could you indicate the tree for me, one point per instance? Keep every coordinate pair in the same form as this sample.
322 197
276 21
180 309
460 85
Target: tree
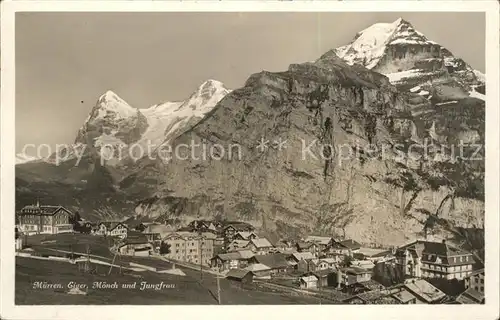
164 248
140 227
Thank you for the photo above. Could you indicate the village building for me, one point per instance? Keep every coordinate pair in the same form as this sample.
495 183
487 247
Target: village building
475 280
365 264
260 271
276 262
231 260
259 246
284 246
423 291
405 297
232 228
345 247
136 246
311 247
190 247
321 242
162 229
240 275
470 296
112 229
353 275
326 278
300 260
197 225
154 239
245 235
308 282
236 245
34 219
327 264
424 259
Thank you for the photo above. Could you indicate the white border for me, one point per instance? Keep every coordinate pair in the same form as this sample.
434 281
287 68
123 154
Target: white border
9 311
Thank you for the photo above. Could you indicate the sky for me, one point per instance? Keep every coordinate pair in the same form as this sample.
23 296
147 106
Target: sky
65 61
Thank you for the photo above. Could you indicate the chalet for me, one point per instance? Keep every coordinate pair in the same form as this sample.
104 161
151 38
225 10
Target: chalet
202 224
276 262
308 282
313 265
352 275
45 219
231 260
424 259
475 280
112 229
345 247
326 278
321 242
284 245
311 247
136 246
327 264
424 291
240 275
236 245
245 235
301 260
259 270
470 296
259 246
232 228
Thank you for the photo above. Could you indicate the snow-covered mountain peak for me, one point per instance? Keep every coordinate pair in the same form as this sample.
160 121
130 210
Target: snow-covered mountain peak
370 45
208 94
110 102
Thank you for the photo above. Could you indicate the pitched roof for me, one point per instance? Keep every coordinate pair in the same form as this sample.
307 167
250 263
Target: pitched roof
239 243
246 234
110 225
421 247
261 243
257 267
350 244
246 254
235 255
365 264
470 296
372 285
424 290
303 255
318 239
42 210
237 273
309 278
328 260
355 270
404 296
305 245
273 261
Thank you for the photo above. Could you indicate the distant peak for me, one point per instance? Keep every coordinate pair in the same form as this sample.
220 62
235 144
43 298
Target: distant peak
211 83
110 95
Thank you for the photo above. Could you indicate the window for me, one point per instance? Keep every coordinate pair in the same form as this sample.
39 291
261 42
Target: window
482 281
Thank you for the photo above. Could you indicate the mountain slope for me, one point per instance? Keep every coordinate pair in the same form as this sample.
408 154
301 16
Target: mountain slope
88 170
380 199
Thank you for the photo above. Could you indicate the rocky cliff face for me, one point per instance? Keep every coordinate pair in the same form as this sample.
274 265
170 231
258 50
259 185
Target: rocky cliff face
330 147
324 110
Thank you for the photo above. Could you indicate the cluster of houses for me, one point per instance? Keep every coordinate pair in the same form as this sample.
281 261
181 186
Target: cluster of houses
236 250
